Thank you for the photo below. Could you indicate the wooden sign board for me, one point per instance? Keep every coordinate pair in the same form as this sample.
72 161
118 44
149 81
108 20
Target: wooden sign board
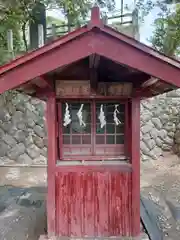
72 88
114 89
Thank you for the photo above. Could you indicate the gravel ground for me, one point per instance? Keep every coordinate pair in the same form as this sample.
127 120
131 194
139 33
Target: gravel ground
22 214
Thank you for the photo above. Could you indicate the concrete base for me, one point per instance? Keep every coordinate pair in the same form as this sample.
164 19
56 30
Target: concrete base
45 237
143 236
19 176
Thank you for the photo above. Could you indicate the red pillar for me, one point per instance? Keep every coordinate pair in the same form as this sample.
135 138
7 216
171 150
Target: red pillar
135 158
52 158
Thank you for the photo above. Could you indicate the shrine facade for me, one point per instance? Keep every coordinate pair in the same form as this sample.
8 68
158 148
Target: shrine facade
92 80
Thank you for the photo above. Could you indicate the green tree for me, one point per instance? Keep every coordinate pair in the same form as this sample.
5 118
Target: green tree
166 36
76 11
171 1
52 20
16 14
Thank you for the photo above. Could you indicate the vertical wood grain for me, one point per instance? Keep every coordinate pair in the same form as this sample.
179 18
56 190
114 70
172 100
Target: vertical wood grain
102 195
135 154
93 204
52 157
88 203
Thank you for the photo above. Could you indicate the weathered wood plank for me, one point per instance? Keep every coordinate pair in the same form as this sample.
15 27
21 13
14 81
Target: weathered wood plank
93 204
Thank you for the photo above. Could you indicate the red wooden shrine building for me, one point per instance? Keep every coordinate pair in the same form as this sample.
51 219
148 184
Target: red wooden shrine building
92 80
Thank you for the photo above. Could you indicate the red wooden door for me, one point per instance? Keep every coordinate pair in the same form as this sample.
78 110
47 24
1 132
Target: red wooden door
93 197
93 203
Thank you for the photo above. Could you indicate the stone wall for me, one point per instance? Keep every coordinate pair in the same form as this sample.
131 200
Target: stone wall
160 125
23 135
22 131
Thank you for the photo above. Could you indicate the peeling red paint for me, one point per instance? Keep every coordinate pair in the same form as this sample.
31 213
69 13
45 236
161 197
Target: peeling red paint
93 204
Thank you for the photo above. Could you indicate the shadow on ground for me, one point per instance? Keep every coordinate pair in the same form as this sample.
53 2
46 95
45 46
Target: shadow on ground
22 213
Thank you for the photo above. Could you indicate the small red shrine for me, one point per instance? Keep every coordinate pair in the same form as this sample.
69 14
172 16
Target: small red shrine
92 80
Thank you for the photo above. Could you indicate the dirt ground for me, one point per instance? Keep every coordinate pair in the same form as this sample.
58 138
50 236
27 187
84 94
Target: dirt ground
160 182
22 211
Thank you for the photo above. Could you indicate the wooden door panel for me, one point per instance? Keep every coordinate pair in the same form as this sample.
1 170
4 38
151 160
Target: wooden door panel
88 203
93 204
103 192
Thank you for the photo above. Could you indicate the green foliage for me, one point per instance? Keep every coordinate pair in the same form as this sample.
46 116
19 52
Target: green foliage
76 11
146 6
52 20
15 14
171 1
166 36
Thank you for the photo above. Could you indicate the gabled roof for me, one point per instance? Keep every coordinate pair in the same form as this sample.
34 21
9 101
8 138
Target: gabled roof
94 38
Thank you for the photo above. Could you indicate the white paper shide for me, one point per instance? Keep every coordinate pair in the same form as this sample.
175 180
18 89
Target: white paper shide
80 116
101 117
116 111
67 116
